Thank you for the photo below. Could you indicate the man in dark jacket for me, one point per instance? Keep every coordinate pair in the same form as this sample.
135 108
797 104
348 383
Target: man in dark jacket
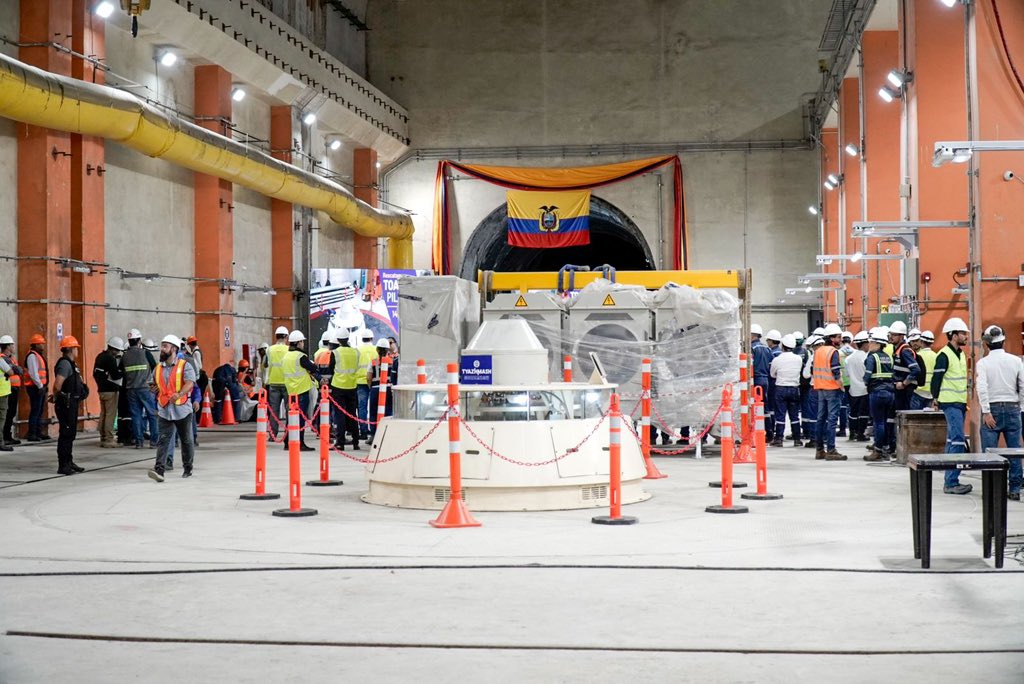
109 376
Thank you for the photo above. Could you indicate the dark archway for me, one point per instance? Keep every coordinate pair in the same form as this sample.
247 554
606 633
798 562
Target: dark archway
614 240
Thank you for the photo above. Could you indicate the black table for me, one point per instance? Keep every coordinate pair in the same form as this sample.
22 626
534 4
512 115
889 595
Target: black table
993 495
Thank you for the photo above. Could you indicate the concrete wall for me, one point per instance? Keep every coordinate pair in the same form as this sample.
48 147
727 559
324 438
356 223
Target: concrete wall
8 192
326 28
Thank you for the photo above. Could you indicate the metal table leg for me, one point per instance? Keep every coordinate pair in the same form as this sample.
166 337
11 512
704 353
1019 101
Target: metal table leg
915 512
999 496
986 513
925 524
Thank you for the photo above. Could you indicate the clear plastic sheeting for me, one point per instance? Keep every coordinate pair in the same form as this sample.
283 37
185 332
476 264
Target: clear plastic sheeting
438 315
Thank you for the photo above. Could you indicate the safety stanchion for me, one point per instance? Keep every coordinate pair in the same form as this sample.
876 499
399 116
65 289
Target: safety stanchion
295 509
745 449
727 453
382 392
567 369
227 411
455 512
645 422
261 453
614 516
325 442
206 417
760 445
421 372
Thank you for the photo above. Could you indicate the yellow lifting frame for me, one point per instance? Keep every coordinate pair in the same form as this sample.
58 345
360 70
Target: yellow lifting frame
493 281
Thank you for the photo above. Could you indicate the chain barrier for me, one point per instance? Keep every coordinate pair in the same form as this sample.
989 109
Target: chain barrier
528 464
693 441
657 395
416 445
365 421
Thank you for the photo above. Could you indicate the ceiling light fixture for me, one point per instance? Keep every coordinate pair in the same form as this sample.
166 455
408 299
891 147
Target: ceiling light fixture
104 9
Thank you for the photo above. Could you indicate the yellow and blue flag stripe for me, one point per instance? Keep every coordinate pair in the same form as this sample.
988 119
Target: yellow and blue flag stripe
548 219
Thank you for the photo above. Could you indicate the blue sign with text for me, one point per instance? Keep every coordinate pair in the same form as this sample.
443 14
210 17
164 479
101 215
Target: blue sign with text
475 369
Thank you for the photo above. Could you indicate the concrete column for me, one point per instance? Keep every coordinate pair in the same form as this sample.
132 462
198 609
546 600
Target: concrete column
213 228
829 217
282 226
364 178
850 195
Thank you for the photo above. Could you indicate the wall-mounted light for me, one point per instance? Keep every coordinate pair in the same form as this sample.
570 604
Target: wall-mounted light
851 149
961 151
948 3
828 185
309 119
378 165
825 259
238 94
888 94
104 9
335 144
832 181
813 210
168 58
899 78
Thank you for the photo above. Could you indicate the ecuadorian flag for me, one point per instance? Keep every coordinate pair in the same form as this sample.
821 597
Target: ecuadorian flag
548 219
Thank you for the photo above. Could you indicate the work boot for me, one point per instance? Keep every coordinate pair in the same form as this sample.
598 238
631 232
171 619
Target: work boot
66 470
876 455
797 443
77 468
187 473
841 433
819 454
958 489
833 455
156 474
810 445
12 440
33 438
306 447
1013 496
4 447
776 443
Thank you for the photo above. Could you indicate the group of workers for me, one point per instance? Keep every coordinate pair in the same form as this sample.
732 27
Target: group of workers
836 383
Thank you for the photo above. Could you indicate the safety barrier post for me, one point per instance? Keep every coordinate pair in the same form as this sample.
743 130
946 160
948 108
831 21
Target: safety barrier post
744 452
727 453
762 493
382 393
421 372
614 516
325 442
455 512
567 369
261 451
295 509
645 421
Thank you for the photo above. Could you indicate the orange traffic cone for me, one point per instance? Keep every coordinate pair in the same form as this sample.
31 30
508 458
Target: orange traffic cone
206 417
227 413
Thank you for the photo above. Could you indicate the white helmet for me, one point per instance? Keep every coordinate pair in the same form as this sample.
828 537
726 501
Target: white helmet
325 338
884 330
6 339
173 339
862 336
914 334
993 334
263 345
789 342
341 335
879 335
927 336
281 331
117 343
898 328
813 340
755 329
830 330
955 325
296 336
134 334
367 335
818 331
774 336
383 343
149 344
798 335
847 335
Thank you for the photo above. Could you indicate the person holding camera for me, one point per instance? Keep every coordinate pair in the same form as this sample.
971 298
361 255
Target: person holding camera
68 390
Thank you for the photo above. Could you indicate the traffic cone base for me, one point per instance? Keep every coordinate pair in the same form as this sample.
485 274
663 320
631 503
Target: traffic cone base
259 497
718 484
652 471
718 508
760 497
455 514
227 413
206 417
745 454
299 513
609 520
324 483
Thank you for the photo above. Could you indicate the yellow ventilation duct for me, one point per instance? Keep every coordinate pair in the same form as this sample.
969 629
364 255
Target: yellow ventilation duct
40 98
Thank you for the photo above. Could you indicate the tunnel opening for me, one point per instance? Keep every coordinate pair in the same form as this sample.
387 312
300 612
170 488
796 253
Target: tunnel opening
614 240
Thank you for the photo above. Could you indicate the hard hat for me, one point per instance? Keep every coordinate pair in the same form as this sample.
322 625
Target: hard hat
813 340
149 344
862 336
898 328
191 340
847 335
173 339
884 330
296 336
879 335
955 325
69 342
773 335
383 343
755 329
928 336
788 341
325 338
134 334
6 339
281 331
913 335
992 334
243 364
818 331
263 345
117 343
37 339
830 330
341 336
798 335
367 335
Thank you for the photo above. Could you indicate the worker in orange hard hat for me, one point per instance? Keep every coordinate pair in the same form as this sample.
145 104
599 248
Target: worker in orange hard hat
68 390
37 382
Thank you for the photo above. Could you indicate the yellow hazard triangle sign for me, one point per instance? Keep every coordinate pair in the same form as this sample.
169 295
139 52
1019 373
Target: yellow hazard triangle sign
608 301
521 302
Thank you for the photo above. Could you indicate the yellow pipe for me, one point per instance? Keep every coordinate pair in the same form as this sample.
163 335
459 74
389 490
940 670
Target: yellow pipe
41 98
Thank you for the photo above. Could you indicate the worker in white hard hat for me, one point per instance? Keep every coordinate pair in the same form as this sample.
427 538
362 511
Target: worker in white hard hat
7 371
138 364
949 387
324 357
262 368
922 344
827 382
343 391
173 380
808 395
845 349
108 373
276 391
773 338
383 354
300 376
860 411
367 355
9 367
905 368
761 361
881 394
999 379
785 370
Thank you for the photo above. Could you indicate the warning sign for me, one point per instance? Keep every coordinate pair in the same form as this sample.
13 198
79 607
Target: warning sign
521 302
608 301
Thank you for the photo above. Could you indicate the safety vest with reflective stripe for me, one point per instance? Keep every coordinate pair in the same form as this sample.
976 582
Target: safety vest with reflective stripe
322 359
5 385
902 371
367 355
927 357
275 356
844 353
15 379
953 389
346 368
42 368
821 372
166 390
296 378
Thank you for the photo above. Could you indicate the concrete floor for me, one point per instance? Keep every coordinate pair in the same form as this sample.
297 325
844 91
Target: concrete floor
107 576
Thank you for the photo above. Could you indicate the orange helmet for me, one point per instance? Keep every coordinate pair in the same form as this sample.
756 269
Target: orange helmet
69 342
243 364
191 340
37 339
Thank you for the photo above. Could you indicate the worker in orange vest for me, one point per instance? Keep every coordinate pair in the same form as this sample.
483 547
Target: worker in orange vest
827 381
7 353
245 378
173 379
37 382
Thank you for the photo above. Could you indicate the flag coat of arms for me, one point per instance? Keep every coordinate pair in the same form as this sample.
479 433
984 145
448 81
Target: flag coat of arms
548 219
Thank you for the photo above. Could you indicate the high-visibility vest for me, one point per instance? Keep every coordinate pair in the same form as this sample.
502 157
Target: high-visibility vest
5 385
367 355
821 371
296 378
844 353
904 371
42 368
883 367
165 390
927 357
275 356
953 389
15 378
346 368
322 359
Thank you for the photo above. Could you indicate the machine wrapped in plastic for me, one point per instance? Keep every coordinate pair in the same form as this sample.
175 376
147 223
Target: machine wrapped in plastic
438 315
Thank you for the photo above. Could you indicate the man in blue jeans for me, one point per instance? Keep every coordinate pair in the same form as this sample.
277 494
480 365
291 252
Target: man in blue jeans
138 369
1000 383
827 381
949 387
